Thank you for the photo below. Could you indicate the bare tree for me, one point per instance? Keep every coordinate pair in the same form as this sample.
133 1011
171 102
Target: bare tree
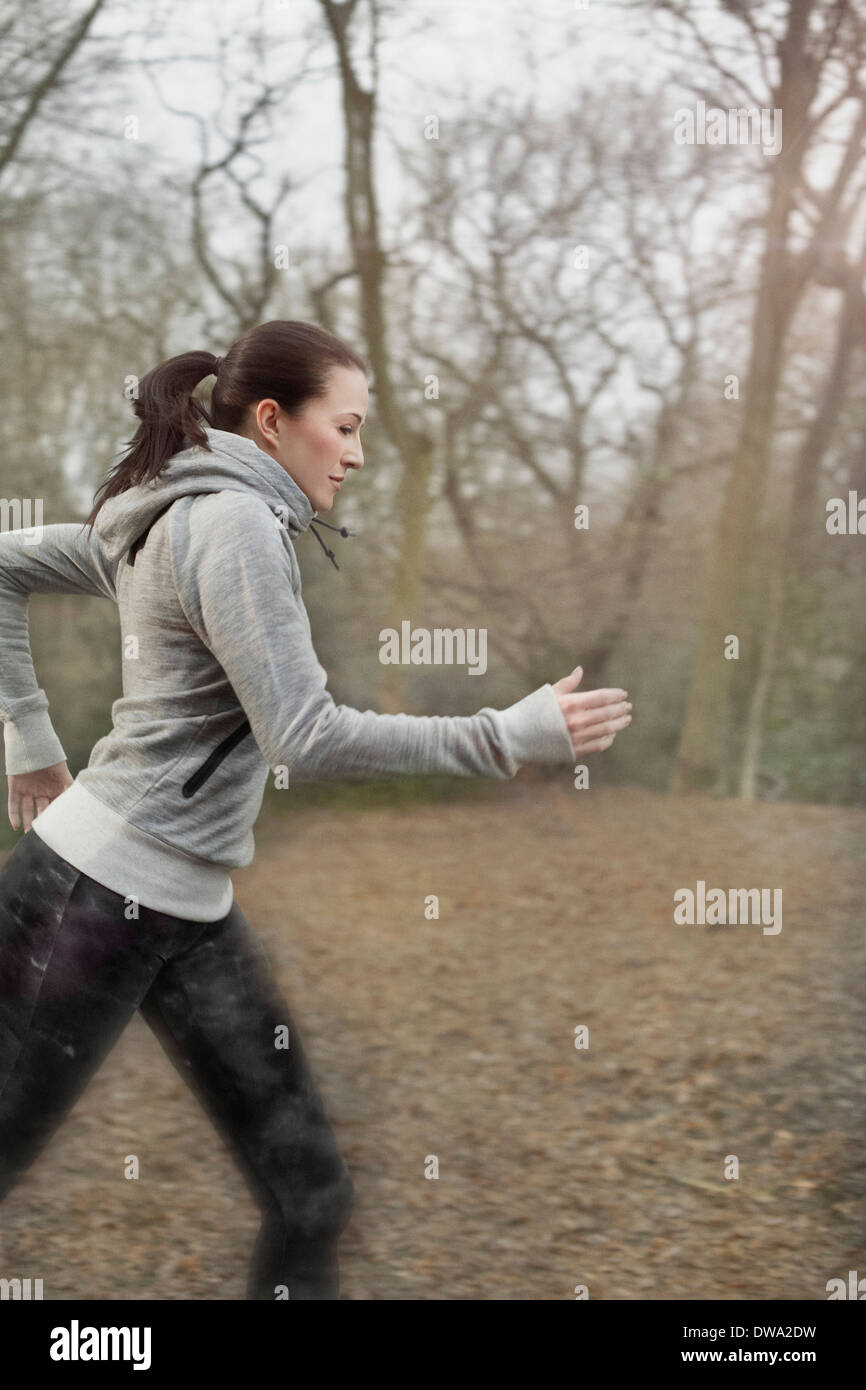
532 355
49 40
231 172
818 70
796 542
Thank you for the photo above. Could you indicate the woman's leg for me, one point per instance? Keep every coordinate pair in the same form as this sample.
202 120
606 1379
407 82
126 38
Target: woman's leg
74 967
218 1012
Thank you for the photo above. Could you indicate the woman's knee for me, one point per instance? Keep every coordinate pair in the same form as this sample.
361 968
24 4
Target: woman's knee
330 1205
319 1206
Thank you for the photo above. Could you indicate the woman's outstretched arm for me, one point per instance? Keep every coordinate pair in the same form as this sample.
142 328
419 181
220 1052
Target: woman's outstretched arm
235 580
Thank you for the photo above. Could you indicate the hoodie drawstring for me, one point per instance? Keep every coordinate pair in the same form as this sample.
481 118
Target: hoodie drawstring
342 531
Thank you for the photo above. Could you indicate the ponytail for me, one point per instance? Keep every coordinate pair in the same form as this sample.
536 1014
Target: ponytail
169 414
285 360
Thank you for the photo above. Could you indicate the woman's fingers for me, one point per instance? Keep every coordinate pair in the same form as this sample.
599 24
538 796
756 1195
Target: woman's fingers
594 699
595 717
567 683
595 745
31 807
599 716
608 729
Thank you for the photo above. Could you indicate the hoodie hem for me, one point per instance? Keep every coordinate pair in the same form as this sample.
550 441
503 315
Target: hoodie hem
101 844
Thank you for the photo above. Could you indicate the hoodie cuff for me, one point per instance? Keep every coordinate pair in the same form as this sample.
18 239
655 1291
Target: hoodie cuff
536 729
30 741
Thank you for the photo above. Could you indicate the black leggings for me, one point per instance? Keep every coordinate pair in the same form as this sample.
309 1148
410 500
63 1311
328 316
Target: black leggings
73 970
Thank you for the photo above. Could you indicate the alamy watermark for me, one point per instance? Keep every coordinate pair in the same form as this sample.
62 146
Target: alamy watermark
76 1343
737 906
740 125
20 511
443 646
847 520
855 1288
21 1289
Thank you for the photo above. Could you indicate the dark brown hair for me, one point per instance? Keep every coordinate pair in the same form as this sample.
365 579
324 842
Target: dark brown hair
285 360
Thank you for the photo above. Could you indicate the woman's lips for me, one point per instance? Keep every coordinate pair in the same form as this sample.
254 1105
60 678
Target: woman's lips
336 481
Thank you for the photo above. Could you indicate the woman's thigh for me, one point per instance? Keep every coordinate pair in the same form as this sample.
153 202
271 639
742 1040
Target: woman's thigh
220 1015
75 963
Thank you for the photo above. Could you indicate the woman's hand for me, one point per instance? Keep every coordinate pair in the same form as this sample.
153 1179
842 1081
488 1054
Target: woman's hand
34 790
594 717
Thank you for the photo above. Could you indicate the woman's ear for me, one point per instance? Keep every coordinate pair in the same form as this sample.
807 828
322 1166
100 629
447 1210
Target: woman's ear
266 421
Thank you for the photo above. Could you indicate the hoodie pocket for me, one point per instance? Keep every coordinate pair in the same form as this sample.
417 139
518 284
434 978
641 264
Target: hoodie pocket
213 760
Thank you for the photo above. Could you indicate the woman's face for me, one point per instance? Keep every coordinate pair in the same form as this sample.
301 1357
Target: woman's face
318 448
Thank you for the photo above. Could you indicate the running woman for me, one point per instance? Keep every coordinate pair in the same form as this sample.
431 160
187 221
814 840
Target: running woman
122 898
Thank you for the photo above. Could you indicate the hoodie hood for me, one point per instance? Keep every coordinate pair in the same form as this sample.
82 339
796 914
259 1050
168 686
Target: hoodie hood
234 464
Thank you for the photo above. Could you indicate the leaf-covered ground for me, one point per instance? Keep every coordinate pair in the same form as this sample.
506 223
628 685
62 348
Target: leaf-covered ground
454 1037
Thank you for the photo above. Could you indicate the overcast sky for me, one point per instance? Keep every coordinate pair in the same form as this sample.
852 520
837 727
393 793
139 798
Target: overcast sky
436 56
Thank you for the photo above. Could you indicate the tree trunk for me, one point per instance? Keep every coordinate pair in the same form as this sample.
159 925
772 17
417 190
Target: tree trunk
703 757
415 450
803 522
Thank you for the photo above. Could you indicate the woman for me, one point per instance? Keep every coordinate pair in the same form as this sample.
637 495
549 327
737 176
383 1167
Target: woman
122 899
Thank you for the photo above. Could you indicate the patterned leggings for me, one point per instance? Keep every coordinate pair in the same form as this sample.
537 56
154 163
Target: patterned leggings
73 970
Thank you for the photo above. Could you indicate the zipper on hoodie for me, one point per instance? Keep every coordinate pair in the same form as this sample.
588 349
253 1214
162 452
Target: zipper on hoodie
213 760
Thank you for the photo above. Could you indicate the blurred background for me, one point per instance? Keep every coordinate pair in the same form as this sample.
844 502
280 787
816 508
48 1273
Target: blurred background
616 383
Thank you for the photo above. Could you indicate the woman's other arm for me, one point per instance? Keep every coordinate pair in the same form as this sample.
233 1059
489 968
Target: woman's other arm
63 559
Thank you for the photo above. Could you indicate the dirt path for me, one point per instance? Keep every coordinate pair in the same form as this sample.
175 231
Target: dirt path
455 1038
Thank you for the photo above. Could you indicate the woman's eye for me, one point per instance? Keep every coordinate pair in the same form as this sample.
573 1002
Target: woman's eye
343 429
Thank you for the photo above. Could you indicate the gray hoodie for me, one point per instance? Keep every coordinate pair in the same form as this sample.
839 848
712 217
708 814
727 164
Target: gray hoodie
220 683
